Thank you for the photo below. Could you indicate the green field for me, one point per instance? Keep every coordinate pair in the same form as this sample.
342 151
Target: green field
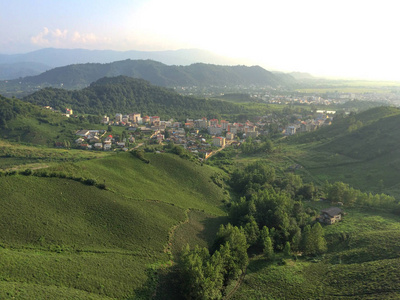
65 239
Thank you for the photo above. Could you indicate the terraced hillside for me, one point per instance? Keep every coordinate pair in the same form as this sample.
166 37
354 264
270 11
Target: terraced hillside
362 150
66 239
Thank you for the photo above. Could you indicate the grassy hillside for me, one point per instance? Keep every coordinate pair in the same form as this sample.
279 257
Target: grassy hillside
65 239
28 123
363 263
14 156
362 150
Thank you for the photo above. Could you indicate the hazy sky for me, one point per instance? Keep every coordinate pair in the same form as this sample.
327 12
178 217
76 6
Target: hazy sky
348 38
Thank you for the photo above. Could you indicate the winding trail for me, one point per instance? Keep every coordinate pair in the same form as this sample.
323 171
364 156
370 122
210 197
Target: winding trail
237 285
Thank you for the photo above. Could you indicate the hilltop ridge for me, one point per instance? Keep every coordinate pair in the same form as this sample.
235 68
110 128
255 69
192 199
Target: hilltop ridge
199 74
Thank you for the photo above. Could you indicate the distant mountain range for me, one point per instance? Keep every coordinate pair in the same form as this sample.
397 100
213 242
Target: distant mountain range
33 63
82 75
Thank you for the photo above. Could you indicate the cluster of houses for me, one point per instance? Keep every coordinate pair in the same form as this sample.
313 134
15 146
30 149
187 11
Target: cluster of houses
99 140
324 118
190 134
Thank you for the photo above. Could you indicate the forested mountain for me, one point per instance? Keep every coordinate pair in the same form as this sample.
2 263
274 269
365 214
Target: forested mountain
53 58
199 74
21 69
124 94
11 109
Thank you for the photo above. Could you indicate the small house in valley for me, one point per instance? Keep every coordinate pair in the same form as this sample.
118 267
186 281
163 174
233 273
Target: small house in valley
330 215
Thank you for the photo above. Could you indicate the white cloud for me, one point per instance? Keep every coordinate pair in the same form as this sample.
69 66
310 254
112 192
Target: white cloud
65 38
59 34
40 38
80 38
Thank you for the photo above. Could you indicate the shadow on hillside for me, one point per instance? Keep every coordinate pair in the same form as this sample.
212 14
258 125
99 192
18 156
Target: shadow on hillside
168 285
211 227
257 265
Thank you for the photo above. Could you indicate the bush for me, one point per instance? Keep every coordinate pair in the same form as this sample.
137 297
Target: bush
27 172
89 182
140 154
101 186
41 173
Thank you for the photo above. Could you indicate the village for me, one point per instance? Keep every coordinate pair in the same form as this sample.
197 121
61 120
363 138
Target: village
199 136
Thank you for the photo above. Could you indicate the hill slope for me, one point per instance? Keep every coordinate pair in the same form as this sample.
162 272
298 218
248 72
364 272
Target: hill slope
124 95
25 122
64 239
361 149
199 74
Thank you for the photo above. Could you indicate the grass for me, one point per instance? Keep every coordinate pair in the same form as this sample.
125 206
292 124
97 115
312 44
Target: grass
167 178
62 237
25 291
200 229
20 157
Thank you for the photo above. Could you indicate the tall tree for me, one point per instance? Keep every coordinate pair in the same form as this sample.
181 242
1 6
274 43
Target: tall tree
268 249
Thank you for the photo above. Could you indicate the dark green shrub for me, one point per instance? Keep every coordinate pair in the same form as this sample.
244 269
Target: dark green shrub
27 172
89 182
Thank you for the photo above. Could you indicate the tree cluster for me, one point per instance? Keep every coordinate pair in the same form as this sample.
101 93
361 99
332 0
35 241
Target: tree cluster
251 146
342 192
271 207
206 276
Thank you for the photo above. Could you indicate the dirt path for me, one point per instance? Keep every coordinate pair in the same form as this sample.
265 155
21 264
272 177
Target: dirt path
237 285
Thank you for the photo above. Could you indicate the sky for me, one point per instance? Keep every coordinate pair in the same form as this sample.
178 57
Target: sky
352 38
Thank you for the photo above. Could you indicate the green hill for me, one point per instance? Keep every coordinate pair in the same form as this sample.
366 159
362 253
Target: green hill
81 75
65 239
24 122
361 149
124 94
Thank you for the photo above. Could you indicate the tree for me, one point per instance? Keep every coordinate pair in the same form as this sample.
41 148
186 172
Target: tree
296 240
251 231
317 233
286 250
313 241
268 249
306 245
237 242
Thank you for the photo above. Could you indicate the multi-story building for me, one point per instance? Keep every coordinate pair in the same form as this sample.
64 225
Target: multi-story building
218 141
118 118
213 122
201 123
224 124
105 120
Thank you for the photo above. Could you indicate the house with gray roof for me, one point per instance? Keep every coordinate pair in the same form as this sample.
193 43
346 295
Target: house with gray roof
330 215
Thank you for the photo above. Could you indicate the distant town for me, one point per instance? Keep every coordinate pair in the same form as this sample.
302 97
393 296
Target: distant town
199 136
